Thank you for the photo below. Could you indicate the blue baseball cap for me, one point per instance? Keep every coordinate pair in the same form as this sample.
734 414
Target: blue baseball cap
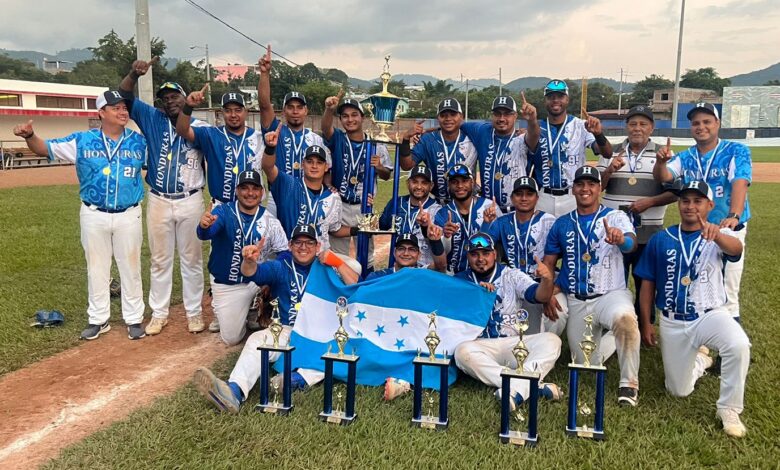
556 86
170 86
459 170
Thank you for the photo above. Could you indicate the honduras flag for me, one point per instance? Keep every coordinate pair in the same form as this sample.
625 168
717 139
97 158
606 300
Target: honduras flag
387 322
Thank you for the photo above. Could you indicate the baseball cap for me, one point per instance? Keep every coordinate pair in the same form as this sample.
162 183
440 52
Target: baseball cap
525 182
556 86
449 104
640 110
421 170
316 151
708 108
350 102
504 102
407 239
233 97
459 170
294 95
304 230
480 241
170 86
699 186
110 97
250 176
587 172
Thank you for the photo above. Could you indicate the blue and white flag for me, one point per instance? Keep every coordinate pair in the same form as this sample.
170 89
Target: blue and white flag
387 322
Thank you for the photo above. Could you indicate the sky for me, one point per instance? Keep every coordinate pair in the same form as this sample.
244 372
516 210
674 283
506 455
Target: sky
446 39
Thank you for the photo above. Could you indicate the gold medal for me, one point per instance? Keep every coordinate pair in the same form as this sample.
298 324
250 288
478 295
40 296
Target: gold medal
522 262
353 180
499 175
298 307
235 170
686 281
586 257
170 156
632 180
296 166
106 171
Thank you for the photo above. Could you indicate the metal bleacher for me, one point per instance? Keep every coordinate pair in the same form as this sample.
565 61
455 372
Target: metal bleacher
15 154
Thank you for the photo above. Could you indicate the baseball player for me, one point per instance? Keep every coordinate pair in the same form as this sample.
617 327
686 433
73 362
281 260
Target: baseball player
727 168
288 279
175 177
522 234
108 165
501 151
230 227
416 206
462 217
440 150
348 147
408 254
485 357
591 241
561 150
682 268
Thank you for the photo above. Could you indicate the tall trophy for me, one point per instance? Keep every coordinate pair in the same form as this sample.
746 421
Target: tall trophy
383 106
339 415
273 406
507 436
588 347
431 420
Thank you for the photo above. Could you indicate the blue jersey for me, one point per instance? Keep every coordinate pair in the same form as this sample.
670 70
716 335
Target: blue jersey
522 240
406 222
502 159
174 166
381 273
292 147
227 155
109 171
229 234
722 165
560 151
671 256
456 258
349 164
288 282
589 265
440 155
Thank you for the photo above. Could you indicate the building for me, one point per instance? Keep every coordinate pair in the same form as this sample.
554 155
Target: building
663 100
751 107
226 73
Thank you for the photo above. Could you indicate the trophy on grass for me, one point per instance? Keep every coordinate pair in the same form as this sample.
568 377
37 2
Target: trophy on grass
507 436
431 420
265 349
337 414
588 347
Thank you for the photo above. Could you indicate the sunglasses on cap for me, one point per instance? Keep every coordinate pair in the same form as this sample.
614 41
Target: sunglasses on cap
556 86
480 242
458 170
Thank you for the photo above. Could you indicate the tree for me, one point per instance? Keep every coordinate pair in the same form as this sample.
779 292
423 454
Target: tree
440 89
16 69
309 72
337 76
772 83
644 89
395 87
706 78
96 73
115 53
316 92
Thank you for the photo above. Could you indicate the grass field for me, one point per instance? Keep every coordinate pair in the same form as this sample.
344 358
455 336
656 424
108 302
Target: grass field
43 267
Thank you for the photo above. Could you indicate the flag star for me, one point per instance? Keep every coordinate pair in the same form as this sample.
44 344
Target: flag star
379 330
360 315
399 343
403 320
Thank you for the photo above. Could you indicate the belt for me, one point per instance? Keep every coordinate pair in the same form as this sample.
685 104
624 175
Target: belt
683 316
347 201
108 211
556 192
173 196
739 227
587 297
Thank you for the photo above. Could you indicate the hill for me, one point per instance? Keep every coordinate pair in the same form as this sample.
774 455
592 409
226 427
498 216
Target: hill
757 77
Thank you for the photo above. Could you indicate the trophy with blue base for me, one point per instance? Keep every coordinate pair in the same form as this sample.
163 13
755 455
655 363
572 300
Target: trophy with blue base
273 406
530 437
341 413
576 406
431 420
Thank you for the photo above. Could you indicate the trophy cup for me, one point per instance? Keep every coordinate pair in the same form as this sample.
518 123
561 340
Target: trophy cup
369 223
383 106
275 407
588 347
520 351
337 416
430 420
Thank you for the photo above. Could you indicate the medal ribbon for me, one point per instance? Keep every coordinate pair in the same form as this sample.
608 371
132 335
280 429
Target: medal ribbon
312 210
448 155
689 257
582 236
709 164
631 168
236 151
246 236
301 287
524 246
354 164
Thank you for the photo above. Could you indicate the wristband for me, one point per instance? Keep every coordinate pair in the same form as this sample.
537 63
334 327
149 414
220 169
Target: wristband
269 150
600 139
30 136
187 110
405 149
332 259
353 231
628 243
437 247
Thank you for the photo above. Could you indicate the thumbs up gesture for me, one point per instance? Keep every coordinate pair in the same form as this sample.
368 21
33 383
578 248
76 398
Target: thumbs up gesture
542 271
24 131
613 235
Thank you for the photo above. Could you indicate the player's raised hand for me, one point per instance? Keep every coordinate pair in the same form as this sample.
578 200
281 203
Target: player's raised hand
25 130
435 232
708 231
272 137
207 219
613 235
450 228
592 124
542 271
140 67
423 218
332 102
415 130
197 97
490 213
527 110
617 162
664 154
265 61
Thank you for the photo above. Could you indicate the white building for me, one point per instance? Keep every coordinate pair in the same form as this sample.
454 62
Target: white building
751 106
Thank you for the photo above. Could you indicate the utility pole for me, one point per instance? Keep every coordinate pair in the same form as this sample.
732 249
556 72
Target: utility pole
466 117
677 73
500 83
620 92
144 49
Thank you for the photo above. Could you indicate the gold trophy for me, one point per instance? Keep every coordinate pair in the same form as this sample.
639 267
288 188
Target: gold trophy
431 420
432 339
274 406
330 413
341 335
587 345
383 106
520 351
580 407
276 325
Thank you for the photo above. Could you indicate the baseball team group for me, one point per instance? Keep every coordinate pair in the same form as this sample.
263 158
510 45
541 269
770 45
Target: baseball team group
517 211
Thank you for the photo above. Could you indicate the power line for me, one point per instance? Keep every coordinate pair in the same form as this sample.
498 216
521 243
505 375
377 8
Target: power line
192 3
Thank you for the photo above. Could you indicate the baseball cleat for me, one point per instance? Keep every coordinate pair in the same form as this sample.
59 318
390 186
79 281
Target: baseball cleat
628 396
732 425
135 331
394 388
93 331
195 324
551 392
215 390
155 326
214 325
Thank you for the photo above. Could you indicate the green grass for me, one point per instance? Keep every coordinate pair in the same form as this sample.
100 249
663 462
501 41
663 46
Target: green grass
758 154
184 431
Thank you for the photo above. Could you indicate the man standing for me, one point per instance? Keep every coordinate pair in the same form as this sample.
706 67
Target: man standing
591 241
485 357
231 227
176 179
683 269
727 168
561 150
442 149
108 165
502 153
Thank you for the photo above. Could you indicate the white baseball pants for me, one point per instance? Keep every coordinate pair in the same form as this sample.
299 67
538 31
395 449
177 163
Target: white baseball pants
231 305
733 277
340 246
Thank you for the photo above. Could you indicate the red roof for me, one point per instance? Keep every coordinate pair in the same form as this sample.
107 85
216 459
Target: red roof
226 72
